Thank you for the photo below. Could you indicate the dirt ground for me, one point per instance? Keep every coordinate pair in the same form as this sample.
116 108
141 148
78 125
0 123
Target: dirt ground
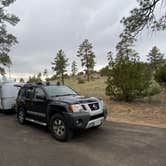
148 111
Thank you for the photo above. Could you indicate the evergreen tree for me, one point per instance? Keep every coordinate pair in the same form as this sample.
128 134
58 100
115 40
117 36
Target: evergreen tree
128 78
160 75
59 65
145 16
45 74
87 57
141 17
155 58
39 75
21 80
7 40
74 68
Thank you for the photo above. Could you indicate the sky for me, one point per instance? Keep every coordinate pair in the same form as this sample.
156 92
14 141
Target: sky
47 26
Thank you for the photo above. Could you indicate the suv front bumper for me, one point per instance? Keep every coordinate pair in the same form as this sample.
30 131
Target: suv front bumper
84 120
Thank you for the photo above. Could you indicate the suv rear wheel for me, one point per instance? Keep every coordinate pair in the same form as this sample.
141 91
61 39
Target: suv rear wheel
59 129
21 116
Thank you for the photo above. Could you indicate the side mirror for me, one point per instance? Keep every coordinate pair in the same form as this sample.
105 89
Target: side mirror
41 97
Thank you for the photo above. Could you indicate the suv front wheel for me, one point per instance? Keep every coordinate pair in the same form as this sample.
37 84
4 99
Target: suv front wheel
21 116
59 129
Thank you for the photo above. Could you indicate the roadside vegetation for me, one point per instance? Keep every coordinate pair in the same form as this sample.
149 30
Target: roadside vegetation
150 110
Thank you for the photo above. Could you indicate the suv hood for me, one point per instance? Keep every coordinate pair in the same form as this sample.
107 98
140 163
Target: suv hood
75 99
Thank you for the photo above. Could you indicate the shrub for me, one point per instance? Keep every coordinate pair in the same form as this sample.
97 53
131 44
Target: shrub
81 81
154 89
104 71
128 80
160 76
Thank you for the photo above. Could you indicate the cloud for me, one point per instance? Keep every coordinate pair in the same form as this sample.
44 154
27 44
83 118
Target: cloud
47 26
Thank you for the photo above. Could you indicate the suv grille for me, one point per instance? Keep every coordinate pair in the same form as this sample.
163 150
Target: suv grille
94 106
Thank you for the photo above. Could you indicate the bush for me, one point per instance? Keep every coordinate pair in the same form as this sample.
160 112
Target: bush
154 89
81 81
128 80
160 76
104 71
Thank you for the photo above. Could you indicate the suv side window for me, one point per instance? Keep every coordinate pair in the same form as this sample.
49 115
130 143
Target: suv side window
39 92
29 93
22 93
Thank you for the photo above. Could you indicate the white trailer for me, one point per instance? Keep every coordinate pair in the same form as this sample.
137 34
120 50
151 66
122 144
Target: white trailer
8 95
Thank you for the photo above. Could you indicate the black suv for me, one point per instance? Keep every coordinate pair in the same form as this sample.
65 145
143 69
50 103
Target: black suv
60 108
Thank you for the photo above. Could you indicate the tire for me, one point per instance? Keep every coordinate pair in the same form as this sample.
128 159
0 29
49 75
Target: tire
59 129
21 116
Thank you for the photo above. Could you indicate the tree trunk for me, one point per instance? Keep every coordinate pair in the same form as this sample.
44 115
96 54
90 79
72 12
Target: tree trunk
88 75
62 79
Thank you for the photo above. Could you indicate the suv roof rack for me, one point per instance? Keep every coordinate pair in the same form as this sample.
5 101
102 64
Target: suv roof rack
39 83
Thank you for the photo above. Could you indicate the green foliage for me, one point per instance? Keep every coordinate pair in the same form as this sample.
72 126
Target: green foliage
80 73
53 78
128 79
104 71
39 75
21 80
87 57
45 74
160 75
35 79
153 89
155 58
59 65
7 40
74 68
81 81
144 16
140 17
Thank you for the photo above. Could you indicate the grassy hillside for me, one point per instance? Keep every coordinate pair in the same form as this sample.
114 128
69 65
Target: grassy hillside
150 110
92 88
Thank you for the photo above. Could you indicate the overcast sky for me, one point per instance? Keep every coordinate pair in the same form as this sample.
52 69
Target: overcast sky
47 26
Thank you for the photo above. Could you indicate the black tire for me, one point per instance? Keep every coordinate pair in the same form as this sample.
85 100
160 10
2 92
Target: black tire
21 116
59 129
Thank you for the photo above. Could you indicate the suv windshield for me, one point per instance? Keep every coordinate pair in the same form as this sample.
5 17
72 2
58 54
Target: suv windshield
55 90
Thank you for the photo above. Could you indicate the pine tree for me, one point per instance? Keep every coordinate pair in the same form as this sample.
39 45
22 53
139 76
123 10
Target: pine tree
87 57
128 78
45 74
60 63
155 58
7 40
74 68
39 75
21 80
144 16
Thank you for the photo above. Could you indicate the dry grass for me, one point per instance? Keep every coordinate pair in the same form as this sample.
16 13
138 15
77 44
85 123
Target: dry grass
147 111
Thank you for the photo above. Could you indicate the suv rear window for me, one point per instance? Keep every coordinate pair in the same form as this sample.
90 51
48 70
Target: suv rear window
26 93
29 93
22 93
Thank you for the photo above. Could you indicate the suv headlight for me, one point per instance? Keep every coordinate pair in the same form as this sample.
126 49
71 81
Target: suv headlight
76 108
102 104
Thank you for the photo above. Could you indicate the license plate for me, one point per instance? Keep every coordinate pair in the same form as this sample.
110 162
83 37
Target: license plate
97 122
